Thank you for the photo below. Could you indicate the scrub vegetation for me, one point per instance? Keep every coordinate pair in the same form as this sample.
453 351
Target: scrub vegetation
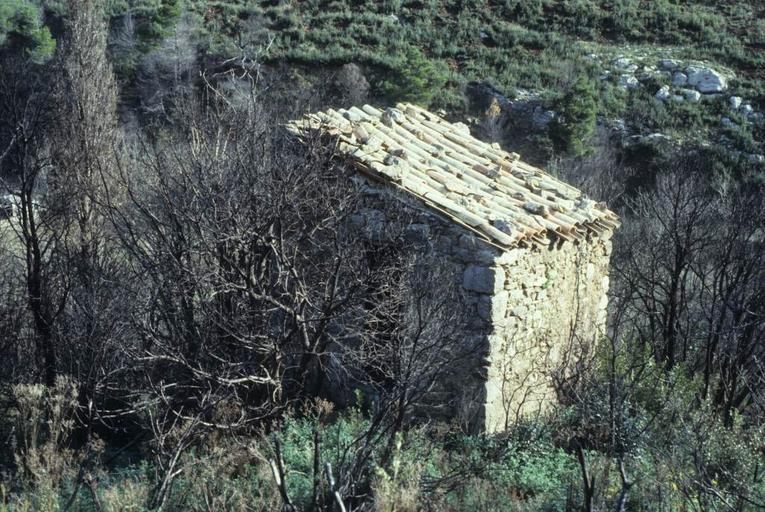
177 288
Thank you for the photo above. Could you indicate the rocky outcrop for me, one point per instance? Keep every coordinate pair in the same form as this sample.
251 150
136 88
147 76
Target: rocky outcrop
706 80
525 111
632 72
681 81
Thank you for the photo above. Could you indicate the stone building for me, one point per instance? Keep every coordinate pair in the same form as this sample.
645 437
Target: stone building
529 252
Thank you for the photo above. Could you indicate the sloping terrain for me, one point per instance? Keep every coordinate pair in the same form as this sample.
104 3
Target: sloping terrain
432 52
177 283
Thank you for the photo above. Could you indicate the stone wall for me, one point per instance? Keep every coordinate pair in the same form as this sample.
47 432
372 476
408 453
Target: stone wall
387 214
549 306
531 312
527 311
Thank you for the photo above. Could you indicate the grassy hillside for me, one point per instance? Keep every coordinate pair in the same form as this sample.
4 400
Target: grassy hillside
429 51
530 44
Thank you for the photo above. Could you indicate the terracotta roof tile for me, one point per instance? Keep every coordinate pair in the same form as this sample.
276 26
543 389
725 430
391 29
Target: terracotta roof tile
492 192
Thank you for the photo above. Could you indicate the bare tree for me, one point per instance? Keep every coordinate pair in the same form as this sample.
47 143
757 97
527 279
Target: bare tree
732 311
690 272
85 143
61 127
668 232
27 113
240 266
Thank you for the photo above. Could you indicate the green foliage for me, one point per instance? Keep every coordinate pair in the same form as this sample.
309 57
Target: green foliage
154 19
688 459
575 126
427 52
297 438
21 24
414 78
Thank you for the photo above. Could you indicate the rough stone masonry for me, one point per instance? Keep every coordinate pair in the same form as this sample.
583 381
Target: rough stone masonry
528 253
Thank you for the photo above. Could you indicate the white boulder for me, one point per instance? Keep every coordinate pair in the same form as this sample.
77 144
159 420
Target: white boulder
622 62
734 102
705 79
746 109
691 95
628 82
679 79
669 64
663 94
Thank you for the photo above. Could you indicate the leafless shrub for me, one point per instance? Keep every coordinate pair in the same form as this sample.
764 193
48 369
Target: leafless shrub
352 85
170 70
44 423
600 175
494 121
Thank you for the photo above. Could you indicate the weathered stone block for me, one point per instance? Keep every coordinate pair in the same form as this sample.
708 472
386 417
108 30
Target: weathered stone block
477 257
534 280
483 279
492 308
417 233
509 257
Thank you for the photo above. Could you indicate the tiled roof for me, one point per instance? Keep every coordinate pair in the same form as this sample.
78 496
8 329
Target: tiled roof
490 191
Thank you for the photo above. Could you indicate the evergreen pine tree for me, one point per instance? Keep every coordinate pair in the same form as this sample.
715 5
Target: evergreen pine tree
575 126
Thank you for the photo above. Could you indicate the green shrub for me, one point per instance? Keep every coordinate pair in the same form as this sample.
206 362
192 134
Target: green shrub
414 78
575 126
21 24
